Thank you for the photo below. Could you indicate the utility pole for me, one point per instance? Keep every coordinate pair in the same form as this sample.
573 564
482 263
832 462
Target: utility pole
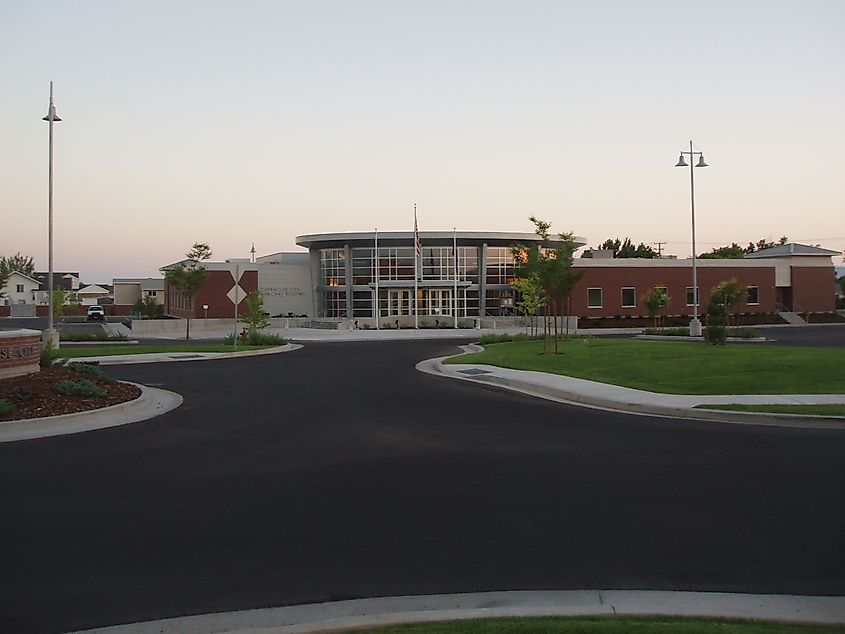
659 248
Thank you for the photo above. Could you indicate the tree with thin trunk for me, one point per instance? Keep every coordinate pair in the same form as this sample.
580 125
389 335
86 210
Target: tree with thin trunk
553 266
656 301
729 293
188 278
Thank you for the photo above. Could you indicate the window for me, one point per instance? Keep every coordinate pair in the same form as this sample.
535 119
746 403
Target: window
152 293
333 267
20 288
752 295
629 297
500 265
697 296
594 298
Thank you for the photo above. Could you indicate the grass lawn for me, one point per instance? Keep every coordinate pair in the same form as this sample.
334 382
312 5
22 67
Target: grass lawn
810 410
106 351
677 367
600 625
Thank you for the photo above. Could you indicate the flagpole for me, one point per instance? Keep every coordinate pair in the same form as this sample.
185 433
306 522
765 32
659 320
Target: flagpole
377 306
455 294
417 254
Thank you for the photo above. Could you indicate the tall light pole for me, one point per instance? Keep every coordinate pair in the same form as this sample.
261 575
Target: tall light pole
50 334
694 324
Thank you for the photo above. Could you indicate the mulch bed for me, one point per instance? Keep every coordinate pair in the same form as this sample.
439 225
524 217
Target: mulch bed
33 395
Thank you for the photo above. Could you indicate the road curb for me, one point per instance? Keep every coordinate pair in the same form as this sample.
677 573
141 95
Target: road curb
151 403
165 357
437 366
342 616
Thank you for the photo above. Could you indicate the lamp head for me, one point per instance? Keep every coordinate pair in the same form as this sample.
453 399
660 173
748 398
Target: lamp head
51 114
681 161
701 162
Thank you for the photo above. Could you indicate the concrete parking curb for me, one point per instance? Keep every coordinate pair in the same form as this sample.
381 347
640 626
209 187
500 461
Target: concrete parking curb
167 357
611 397
341 616
152 402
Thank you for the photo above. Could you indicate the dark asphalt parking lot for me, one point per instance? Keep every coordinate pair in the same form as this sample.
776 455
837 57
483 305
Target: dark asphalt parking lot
339 471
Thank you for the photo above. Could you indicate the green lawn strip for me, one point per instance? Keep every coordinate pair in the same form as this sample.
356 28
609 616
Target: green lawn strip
678 367
809 410
602 625
107 351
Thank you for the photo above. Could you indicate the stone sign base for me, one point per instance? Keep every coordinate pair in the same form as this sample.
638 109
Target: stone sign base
20 352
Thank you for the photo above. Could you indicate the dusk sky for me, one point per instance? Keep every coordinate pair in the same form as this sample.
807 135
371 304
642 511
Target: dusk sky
236 123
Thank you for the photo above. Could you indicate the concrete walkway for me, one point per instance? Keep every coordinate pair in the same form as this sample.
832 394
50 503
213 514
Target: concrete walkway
590 393
341 616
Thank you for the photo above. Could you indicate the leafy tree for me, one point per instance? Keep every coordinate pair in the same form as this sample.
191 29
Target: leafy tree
150 308
531 298
657 300
20 263
729 293
255 318
63 299
554 271
626 249
731 252
189 276
734 251
717 331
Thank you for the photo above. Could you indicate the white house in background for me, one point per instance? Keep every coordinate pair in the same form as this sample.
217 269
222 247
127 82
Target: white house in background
130 290
20 289
93 293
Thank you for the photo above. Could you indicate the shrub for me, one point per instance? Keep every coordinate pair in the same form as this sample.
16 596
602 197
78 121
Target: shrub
80 387
256 338
93 371
717 330
672 332
504 338
5 406
745 333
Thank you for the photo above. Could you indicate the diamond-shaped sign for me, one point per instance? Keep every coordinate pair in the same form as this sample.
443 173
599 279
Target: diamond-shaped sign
236 294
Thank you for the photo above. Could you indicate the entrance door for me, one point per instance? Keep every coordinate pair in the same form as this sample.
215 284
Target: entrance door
439 301
398 302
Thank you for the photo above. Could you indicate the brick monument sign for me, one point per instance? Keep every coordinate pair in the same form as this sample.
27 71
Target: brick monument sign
20 352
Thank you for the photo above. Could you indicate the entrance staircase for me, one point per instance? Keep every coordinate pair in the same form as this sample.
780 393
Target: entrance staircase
792 318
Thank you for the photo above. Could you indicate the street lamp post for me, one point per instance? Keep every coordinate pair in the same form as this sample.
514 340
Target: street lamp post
695 323
50 336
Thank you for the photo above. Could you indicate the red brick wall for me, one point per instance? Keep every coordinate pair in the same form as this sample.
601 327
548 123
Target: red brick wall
643 279
213 293
812 289
19 355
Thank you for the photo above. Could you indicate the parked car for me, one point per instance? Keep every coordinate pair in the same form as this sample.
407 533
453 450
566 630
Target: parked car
96 313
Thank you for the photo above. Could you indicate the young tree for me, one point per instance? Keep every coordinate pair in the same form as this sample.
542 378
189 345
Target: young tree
656 301
729 293
188 277
531 299
553 269
255 318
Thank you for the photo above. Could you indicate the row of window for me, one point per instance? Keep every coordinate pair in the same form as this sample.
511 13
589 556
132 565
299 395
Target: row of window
397 263
595 296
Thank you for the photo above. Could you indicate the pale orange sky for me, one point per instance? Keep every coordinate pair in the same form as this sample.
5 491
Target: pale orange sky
242 123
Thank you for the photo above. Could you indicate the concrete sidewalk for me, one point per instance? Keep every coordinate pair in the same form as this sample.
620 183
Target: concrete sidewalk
602 395
339 616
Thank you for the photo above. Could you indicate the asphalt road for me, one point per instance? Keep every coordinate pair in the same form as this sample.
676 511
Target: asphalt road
338 471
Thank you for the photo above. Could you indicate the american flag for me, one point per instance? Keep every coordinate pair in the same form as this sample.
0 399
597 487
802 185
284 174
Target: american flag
417 243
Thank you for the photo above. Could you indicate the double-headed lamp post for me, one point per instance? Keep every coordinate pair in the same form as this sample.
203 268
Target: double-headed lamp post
695 324
50 337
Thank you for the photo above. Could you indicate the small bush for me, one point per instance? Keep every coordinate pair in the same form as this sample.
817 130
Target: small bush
92 370
745 333
80 387
5 406
668 332
504 338
256 338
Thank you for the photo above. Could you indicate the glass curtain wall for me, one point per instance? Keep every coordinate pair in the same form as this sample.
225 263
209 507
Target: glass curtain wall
499 297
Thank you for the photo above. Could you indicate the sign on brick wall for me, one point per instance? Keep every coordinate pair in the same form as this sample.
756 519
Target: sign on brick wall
20 352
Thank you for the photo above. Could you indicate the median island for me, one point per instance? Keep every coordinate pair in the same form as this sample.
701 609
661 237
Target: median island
679 367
